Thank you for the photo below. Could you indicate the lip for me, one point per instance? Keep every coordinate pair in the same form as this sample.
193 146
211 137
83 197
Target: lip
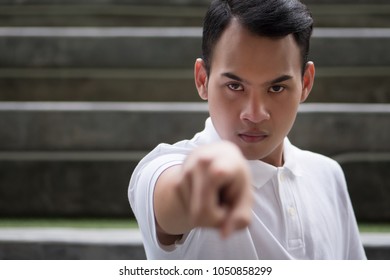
252 137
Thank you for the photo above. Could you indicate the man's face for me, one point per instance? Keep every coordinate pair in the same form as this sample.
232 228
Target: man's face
254 90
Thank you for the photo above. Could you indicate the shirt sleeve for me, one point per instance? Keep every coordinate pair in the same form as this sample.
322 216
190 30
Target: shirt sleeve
141 194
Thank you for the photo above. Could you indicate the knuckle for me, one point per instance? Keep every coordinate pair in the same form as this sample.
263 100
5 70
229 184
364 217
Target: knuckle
203 160
216 170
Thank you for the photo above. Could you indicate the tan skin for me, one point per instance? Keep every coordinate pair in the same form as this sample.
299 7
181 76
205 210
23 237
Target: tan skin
254 90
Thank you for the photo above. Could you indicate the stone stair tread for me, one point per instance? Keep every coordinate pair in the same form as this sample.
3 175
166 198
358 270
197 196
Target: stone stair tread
87 126
168 48
120 236
104 64
71 235
183 13
87 244
332 84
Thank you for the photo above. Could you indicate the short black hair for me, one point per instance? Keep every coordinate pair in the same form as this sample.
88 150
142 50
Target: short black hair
270 18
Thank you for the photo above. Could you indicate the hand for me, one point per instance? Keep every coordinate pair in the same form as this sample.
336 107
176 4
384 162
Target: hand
216 188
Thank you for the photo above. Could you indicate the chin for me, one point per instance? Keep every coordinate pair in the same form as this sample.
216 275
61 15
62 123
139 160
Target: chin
251 155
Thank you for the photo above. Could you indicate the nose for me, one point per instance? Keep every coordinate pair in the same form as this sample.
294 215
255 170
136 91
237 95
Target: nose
255 110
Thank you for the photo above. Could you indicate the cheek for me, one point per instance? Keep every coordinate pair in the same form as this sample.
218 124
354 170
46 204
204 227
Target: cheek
288 104
284 113
285 119
224 117
221 100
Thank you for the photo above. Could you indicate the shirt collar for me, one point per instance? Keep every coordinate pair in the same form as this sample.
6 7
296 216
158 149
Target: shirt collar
208 135
261 172
291 160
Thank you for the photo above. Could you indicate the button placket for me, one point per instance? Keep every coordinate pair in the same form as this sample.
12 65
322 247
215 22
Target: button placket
291 211
292 220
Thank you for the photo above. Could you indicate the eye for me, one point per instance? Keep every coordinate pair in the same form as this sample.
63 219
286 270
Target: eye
235 87
277 89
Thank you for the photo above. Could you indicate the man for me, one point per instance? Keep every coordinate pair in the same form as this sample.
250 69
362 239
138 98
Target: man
239 189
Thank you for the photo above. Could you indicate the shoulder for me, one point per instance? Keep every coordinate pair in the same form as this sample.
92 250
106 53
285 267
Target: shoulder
324 175
317 163
314 157
151 166
160 158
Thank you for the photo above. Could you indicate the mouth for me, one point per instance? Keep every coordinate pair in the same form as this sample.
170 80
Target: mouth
252 137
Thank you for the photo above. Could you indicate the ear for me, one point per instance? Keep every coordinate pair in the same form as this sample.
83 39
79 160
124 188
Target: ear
308 80
201 78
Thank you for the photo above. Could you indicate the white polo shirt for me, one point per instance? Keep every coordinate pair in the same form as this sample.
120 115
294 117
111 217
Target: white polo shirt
301 210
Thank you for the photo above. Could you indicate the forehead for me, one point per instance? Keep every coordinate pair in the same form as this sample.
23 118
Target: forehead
239 48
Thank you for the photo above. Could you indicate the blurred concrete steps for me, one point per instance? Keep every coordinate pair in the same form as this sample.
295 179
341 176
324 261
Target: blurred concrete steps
88 126
70 244
111 244
105 64
166 47
346 13
68 159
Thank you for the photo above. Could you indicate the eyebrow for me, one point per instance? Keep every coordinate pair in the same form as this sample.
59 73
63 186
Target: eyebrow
280 79
233 77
